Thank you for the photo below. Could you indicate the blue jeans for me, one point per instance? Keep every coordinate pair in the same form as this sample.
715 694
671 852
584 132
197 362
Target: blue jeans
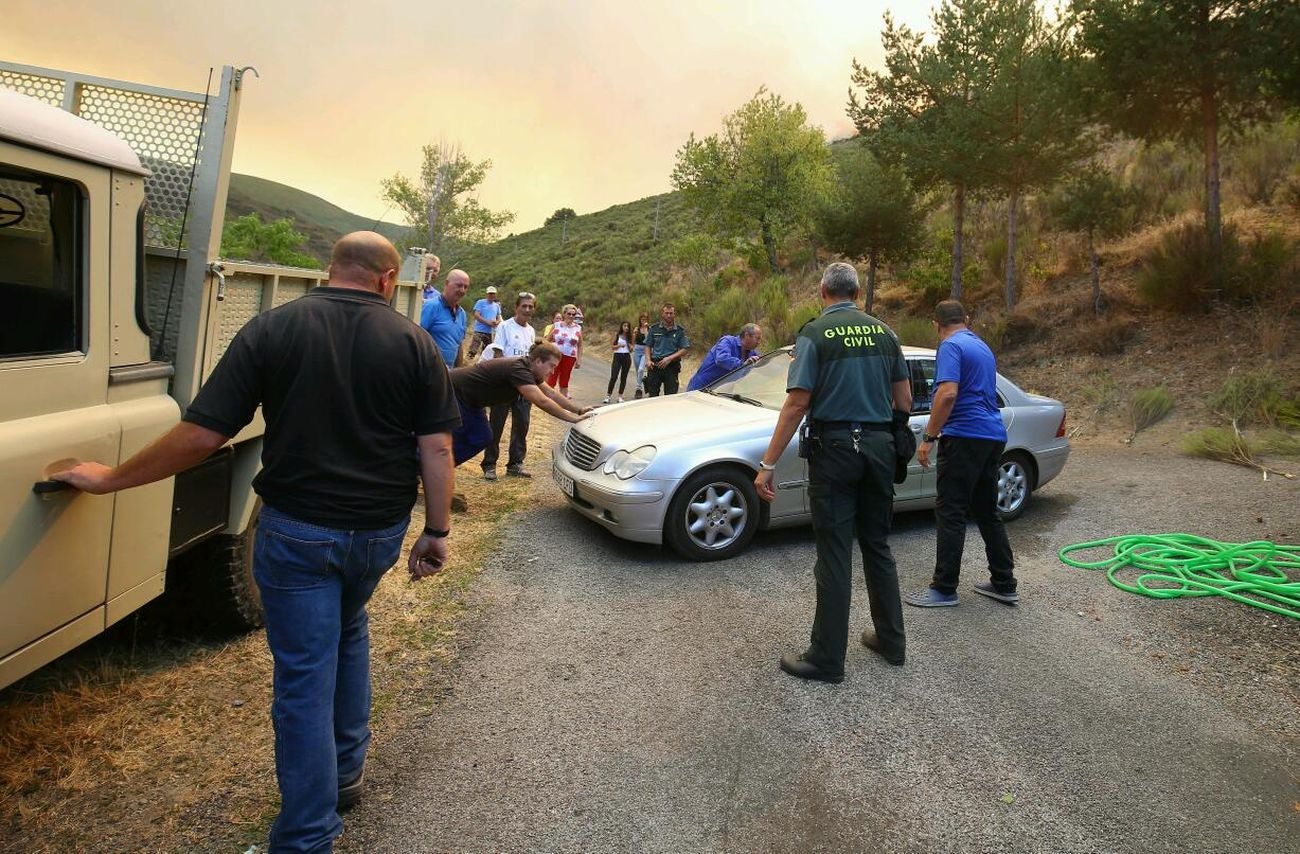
638 359
473 435
315 583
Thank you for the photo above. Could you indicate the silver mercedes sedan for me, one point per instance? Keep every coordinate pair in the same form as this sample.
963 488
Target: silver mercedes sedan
680 469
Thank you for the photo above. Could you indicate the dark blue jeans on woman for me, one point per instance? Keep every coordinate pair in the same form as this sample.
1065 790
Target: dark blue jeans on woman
315 582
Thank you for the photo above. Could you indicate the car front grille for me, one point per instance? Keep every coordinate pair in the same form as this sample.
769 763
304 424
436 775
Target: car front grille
581 450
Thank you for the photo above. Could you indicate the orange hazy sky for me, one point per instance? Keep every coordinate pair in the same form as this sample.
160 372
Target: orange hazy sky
578 104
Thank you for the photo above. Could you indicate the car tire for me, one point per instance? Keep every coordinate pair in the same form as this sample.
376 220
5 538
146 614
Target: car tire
212 584
714 514
1015 484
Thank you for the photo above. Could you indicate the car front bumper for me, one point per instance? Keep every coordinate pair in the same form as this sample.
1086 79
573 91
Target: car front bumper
632 509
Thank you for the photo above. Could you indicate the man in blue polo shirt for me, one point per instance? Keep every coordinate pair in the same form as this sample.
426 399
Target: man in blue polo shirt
729 353
966 423
487 316
444 319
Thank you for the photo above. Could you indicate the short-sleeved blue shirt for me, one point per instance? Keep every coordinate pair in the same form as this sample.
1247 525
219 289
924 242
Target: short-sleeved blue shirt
489 310
446 327
964 359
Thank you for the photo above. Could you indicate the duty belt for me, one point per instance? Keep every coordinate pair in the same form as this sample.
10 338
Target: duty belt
860 426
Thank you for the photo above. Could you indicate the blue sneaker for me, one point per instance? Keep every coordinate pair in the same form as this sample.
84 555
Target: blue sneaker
986 588
931 598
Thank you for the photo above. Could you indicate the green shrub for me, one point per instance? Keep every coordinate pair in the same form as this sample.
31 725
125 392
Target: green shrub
774 312
694 250
1147 406
1183 274
1218 443
916 332
1257 398
1259 161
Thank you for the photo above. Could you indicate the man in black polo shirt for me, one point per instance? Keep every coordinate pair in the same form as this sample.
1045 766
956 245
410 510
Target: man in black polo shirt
349 389
502 380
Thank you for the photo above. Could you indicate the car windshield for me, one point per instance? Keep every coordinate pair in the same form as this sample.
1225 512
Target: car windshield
762 383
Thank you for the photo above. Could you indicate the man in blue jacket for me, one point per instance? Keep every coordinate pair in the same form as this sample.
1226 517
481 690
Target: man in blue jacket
729 353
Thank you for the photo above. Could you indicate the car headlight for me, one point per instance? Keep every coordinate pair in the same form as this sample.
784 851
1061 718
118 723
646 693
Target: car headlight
629 464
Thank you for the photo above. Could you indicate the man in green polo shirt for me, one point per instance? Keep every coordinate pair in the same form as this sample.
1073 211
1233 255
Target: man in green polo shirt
849 378
665 344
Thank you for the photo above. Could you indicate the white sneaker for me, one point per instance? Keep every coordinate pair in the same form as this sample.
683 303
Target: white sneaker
606 400
620 398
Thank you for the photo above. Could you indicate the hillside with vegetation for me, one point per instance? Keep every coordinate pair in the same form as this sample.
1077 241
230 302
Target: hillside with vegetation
318 221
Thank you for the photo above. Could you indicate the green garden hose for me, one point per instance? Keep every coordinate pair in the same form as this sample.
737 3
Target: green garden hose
1171 566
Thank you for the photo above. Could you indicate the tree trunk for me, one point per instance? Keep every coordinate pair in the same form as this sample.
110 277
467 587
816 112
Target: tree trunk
769 243
1210 122
871 280
1095 266
1013 202
958 213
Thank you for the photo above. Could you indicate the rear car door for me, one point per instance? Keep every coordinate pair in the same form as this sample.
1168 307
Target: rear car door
920 481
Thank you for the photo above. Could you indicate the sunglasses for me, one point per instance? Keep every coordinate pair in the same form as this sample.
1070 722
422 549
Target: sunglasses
526 295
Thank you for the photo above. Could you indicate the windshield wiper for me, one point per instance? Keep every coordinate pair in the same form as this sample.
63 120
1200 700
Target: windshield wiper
739 398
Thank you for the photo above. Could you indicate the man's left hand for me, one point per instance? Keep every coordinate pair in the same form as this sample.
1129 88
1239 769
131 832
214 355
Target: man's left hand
923 454
763 485
428 555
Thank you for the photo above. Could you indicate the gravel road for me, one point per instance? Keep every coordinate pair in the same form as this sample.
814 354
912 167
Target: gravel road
611 697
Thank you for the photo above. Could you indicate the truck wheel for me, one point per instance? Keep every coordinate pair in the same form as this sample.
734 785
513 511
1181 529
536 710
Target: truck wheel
213 582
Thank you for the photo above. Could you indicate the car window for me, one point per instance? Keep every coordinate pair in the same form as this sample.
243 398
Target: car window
40 269
922 371
762 382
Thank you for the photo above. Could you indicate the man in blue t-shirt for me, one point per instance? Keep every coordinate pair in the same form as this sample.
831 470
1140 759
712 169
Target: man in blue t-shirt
444 319
966 423
487 316
729 353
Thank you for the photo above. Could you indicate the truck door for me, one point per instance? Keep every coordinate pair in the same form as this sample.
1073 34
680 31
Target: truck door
54 359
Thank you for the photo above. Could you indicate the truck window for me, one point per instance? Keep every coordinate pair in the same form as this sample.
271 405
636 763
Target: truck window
40 265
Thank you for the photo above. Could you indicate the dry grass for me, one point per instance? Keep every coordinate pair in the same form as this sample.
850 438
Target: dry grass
166 745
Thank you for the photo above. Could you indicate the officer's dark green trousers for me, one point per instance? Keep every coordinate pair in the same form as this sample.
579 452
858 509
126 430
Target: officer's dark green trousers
852 495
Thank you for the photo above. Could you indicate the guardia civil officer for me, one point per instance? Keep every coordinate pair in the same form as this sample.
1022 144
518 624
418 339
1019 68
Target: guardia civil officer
848 377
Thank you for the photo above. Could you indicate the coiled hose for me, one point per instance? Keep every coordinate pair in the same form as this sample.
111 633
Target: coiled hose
1170 566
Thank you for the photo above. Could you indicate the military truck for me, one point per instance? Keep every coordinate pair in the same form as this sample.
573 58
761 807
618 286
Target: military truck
113 309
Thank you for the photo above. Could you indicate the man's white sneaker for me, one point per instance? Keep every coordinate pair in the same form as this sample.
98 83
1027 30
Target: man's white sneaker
606 400
620 398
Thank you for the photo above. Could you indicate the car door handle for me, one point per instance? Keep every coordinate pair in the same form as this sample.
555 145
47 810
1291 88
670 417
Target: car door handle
45 487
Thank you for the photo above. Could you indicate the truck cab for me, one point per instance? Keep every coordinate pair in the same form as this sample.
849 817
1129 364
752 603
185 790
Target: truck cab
76 382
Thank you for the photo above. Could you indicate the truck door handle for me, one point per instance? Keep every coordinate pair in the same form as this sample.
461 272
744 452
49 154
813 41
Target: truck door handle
45 487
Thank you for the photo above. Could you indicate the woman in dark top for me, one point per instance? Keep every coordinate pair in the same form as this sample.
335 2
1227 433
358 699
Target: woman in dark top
622 360
638 352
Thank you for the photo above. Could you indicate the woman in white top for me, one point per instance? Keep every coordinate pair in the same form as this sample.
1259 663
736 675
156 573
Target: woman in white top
622 360
567 335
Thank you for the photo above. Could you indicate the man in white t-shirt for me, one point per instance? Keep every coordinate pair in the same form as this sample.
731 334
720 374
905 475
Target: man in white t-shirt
512 337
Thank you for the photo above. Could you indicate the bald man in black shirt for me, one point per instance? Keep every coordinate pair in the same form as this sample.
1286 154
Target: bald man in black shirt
349 389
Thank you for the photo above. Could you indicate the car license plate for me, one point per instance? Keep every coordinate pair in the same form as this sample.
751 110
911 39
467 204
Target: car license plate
563 481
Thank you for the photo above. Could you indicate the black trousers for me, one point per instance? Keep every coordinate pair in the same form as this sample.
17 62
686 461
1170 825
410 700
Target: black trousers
520 412
968 485
851 492
618 370
666 378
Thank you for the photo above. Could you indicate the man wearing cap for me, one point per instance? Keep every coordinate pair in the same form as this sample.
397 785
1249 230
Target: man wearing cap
487 317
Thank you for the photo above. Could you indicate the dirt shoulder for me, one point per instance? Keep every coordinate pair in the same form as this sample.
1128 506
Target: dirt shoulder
144 739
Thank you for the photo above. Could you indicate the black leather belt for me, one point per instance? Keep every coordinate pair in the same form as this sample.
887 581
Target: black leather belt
861 426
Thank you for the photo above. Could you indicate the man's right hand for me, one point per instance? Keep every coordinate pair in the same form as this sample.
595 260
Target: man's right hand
428 556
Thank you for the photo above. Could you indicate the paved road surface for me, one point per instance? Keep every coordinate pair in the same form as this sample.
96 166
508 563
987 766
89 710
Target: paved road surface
612 697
